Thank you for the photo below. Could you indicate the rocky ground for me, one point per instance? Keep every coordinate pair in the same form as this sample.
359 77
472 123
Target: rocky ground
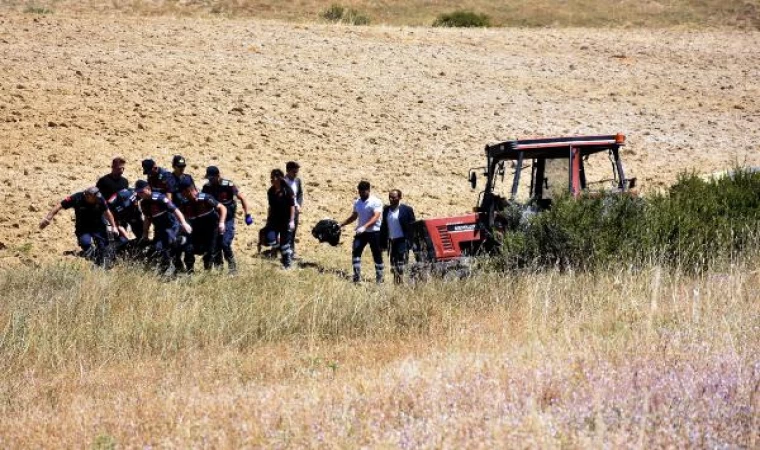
407 108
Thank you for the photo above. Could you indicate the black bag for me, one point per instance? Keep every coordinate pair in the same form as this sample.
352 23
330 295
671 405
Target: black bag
327 230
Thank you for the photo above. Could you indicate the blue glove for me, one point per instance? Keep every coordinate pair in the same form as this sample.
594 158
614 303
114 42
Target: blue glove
248 219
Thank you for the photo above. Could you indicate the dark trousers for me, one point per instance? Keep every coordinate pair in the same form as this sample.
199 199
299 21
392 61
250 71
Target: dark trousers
360 241
224 243
399 253
286 250
94 243
293 233
165 242
202 241
86 239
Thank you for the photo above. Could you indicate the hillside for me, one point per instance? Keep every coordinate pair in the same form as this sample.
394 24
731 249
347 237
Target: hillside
407 108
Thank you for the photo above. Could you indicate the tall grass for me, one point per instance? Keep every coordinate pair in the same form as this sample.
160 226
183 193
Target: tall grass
650 357
61 315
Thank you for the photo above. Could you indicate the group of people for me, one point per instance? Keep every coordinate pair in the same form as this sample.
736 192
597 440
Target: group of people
187 221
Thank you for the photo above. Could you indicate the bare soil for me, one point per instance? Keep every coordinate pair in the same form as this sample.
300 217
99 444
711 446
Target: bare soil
407 108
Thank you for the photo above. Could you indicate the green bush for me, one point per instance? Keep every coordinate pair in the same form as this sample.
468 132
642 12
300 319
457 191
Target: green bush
693 225
462 19
337 13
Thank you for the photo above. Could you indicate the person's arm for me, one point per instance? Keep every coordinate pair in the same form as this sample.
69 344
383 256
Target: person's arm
384 233
244 204
299 197
49 217
292 222
186 226
370 222
222 210
112 223
350 219
146 226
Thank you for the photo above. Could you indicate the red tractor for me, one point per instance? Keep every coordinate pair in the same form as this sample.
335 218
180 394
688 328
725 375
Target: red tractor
541 170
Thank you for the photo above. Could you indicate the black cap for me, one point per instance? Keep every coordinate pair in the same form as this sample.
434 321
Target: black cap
148 165
140 185
185 183
212 171
178 161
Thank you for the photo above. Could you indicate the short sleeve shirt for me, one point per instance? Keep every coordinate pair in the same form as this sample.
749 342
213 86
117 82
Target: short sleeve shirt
86 215
366 209
203 208
123 204
224 192
280 201
159 209
176 180
162 181
109 185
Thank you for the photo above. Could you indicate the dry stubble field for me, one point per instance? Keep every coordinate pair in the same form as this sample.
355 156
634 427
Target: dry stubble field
403 107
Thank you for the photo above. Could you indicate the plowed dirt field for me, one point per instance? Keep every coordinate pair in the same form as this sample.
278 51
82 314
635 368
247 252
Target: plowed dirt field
407 108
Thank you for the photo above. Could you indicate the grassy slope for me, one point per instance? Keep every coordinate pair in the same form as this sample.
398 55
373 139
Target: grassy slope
583 13
647 358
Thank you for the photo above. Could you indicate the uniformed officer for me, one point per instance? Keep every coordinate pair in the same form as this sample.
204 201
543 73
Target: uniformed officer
226 193
207 217
166 219
91 216
159 179
125 207
178 175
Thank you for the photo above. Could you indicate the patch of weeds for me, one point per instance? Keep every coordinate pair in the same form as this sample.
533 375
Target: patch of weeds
462 19
33 9
104 442
339 14
24 249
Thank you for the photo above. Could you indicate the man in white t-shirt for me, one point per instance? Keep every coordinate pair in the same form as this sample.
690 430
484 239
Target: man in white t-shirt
295 184
368 210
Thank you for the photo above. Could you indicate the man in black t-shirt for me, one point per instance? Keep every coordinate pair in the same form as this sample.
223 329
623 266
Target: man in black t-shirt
281 214
115 181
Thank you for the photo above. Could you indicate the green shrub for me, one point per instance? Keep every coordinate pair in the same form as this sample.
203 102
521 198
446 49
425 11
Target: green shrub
692 226
337 13
463 19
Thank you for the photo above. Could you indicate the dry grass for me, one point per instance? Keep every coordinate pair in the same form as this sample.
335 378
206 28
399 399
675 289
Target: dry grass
282 359
272 359
583 13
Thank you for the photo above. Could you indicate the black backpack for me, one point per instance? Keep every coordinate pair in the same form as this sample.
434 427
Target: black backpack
327 230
